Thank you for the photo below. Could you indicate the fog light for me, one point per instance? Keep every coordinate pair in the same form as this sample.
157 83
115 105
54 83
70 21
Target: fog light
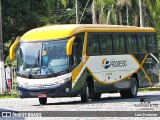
67 89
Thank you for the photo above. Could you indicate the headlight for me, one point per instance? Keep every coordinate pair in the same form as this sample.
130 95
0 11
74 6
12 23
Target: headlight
22 84
63 81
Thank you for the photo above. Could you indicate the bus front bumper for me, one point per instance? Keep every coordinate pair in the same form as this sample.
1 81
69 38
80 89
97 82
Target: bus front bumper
61 90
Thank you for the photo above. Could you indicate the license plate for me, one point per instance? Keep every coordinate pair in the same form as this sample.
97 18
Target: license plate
42 95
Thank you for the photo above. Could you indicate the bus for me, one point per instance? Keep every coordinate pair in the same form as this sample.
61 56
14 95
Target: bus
85 60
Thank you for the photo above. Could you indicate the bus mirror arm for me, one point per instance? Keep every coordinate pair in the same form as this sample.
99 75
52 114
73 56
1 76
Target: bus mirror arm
69 46
12 48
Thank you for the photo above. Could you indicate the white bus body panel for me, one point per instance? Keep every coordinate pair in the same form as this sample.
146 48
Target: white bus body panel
112 68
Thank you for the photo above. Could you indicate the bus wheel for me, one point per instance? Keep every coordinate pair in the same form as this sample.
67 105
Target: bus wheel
85 95
43 101
132 92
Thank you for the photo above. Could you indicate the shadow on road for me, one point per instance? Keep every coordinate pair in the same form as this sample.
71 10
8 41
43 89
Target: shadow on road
109 99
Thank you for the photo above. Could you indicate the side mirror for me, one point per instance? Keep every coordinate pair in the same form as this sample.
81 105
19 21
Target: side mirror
69 45
12 48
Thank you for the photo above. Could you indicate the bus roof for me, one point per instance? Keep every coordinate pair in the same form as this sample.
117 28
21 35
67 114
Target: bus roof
62 31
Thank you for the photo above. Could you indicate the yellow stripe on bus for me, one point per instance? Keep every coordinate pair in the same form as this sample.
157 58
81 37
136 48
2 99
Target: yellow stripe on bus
140 66
85 44
104 82
144 70
129 75
55 32
78 69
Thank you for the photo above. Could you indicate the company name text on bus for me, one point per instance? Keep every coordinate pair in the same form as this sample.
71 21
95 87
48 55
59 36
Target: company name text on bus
114 63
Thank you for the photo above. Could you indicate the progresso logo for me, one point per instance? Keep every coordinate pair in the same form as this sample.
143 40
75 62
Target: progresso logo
113 63
105 63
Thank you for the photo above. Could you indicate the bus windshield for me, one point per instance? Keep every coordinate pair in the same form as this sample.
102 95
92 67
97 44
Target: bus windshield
42 58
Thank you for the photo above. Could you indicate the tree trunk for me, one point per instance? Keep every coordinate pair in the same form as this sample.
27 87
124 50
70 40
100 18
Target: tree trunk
117 17
136 19
127 14
120 18
93 13
140 12
108 16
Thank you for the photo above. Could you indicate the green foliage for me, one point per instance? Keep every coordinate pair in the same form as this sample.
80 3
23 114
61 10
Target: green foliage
9 96
148 89
19 16
7 60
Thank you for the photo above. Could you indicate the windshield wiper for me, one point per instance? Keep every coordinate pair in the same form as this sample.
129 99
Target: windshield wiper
62 72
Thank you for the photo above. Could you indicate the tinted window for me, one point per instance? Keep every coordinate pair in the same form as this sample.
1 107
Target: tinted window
77 50
131 43
93 45
106 44
142 43
119 44
151 42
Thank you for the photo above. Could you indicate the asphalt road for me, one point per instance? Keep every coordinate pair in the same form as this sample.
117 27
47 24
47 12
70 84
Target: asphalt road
110 105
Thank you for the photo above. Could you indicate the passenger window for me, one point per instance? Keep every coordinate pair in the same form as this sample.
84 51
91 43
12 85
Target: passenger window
106 44
119 44
142 43
151 42
93 45
131 43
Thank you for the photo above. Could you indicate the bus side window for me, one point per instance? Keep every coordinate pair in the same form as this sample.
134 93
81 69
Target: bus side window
119 44
151 43
142 43
77 51
93 45
106 44
131 43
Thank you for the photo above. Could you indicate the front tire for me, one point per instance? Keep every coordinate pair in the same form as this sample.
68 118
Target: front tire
43 101
132 92
85 95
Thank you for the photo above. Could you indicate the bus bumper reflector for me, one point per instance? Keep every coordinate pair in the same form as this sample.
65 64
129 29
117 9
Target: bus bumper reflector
42 95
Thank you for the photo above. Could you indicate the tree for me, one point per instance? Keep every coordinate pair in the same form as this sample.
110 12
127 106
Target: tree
94 19
104 8
153 6
110 6
127 4
19 16
140 11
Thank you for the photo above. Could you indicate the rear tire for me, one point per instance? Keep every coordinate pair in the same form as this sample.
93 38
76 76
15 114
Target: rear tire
132 92
85 95
43 101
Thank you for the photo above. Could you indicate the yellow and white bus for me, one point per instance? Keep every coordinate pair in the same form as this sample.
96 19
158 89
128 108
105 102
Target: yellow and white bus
85 60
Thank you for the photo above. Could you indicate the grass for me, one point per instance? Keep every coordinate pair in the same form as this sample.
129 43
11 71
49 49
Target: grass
148 89
9 95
